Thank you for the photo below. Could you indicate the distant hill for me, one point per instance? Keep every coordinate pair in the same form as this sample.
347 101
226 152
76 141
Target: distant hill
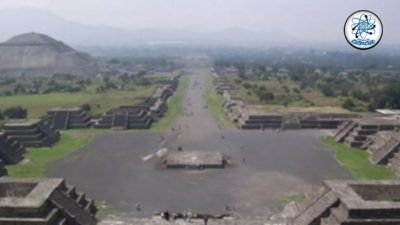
35 54
77 34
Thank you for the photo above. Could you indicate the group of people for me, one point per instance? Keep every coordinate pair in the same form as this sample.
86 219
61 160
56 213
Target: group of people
186 216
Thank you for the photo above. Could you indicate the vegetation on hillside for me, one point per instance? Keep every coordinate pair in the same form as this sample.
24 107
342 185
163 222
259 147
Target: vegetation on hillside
312 79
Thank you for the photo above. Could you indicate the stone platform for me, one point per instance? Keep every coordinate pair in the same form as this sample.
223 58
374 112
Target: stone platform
194 160
351 203
32 132
43 202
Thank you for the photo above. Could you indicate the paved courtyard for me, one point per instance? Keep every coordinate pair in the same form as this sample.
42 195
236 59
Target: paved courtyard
268 166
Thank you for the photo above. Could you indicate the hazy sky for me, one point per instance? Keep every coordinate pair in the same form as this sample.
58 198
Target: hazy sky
304 19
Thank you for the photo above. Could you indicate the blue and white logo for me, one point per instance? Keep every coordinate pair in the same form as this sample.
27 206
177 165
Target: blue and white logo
363 30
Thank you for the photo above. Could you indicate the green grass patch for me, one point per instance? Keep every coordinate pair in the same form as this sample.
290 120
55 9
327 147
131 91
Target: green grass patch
294 198
38 105
175 106
215 105
357 162
37 160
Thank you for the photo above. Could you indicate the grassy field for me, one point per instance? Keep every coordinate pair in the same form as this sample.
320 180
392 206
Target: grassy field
175 106
37 160
357 162
38 105
214 103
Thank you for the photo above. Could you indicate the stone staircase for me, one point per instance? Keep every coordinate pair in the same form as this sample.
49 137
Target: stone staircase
74 207
343 130
60 121
316 209
11 151
120 121
291 121
382 154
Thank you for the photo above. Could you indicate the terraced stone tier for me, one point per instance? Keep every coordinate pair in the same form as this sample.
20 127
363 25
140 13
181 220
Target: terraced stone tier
32 132
68 118
44 202
11 151
142 115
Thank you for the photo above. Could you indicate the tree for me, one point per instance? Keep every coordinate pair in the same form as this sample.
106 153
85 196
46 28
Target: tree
348 104
388 97
327 91
86 107
16 112
247 85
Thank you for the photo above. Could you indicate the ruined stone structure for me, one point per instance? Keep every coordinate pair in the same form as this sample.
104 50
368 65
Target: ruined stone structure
34 54
126 117
354 133
246 118
194 160
221 85
68 118
32 132
140 116
11 151
250 119
44 202
350 203
384 148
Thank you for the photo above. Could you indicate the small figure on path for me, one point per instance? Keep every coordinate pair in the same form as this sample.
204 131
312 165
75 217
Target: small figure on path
137 206
165 215
205 219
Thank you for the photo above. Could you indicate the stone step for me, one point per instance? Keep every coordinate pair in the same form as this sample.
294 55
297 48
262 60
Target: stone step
380 156
314 211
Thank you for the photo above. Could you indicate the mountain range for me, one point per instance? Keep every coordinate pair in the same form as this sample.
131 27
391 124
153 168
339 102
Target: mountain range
25 20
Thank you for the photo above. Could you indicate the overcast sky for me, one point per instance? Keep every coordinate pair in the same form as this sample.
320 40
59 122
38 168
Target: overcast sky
305 19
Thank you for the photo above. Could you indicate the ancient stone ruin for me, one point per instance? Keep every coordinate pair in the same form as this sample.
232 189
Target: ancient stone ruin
350 203
384 148
194 160
247 117
68 118
354 133
32 132
142 115
44 202
11 151
125 117
34 54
